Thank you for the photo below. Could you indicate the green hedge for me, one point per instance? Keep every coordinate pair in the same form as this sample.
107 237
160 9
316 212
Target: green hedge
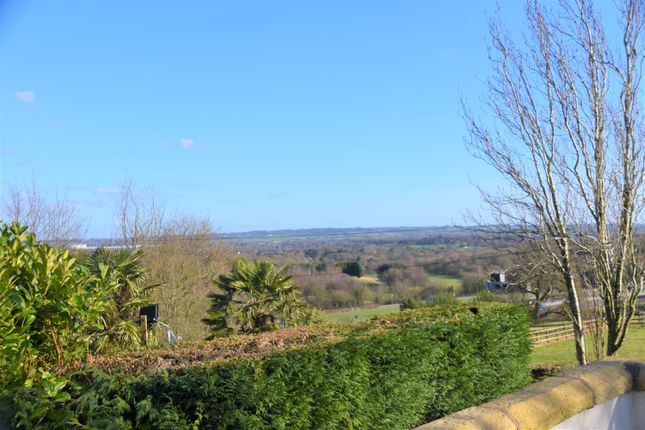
393 373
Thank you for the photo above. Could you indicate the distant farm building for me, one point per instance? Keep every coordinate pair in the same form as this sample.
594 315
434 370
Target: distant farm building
497 282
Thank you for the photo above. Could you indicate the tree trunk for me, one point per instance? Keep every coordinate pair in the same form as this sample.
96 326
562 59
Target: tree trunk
612 338
535 311
574 305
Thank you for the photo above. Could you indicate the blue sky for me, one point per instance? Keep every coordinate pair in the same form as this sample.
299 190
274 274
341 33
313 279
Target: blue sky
258 114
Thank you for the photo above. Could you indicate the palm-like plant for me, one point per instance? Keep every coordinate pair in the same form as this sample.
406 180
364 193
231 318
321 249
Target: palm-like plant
253 297
124 274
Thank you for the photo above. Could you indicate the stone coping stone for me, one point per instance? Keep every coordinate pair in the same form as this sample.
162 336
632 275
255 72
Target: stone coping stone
543 405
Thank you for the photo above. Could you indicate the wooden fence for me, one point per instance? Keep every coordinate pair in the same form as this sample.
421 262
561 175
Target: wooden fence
563 330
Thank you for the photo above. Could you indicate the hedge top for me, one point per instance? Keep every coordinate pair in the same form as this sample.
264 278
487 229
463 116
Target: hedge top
221 350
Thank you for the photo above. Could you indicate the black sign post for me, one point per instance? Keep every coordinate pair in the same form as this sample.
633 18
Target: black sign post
151 312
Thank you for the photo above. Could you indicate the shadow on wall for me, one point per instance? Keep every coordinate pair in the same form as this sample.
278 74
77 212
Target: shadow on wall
620 413
606 394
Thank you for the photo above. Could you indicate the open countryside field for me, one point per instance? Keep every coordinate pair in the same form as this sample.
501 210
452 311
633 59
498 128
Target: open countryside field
562 353
369 280
446 282
358 315
438 281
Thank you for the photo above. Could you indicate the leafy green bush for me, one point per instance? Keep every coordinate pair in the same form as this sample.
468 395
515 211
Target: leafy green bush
438 300
394 372
123 271
352 268
49 306
414 303
486 296
444 299
254 297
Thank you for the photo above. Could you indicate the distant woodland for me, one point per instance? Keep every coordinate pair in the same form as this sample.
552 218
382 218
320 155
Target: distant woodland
395 264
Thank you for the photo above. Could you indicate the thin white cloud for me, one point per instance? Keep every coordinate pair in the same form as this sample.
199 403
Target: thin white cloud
107 190
99 203
186 143
14 157
26 96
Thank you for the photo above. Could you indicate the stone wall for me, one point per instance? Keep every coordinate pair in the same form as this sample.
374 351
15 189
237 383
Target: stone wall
546 404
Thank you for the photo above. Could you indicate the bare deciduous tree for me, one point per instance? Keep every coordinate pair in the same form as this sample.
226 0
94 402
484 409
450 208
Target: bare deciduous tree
54 220
181 254
535 277
183 259
140 215
567 136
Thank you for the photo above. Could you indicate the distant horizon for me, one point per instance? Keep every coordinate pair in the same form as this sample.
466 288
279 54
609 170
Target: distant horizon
217 232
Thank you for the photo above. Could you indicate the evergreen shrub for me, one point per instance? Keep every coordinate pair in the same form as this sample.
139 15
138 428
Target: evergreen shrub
394 372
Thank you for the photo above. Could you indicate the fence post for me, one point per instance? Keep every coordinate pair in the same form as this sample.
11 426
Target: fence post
144 329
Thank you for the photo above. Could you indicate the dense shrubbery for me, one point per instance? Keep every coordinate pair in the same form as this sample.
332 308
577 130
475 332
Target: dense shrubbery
53 309
254 297
352 268
123 271
50 308
392 373
440 300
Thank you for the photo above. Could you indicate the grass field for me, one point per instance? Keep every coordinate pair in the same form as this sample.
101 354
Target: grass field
439 281
563 353
446 282
369 280
344 317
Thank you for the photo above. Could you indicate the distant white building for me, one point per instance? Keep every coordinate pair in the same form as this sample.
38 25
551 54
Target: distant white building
497 282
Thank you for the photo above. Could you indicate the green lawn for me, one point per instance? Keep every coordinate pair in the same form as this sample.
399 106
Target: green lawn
563 353
358 315
446 282
369 280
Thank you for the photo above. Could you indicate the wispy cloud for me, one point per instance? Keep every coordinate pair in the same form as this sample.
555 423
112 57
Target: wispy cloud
107 190
14 157
103 191
99 203
186 143
26 96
